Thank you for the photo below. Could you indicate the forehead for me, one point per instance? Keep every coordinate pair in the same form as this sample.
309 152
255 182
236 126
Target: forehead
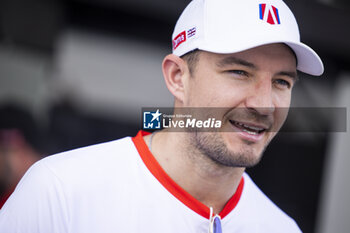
275 53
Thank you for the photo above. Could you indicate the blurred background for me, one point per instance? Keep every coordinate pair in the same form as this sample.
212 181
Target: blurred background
77 72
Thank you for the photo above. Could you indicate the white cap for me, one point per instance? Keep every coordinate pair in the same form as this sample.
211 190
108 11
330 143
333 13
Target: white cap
231 26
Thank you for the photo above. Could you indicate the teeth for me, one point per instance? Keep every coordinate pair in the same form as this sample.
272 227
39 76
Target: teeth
249 129
253 128
250 132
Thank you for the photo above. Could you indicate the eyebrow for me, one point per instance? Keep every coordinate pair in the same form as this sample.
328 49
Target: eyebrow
231 60
293 75
234 60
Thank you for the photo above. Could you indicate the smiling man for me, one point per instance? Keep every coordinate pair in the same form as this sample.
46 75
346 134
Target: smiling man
254 87
239 58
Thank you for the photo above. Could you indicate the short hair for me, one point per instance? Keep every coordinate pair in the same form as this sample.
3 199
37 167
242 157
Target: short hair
191 59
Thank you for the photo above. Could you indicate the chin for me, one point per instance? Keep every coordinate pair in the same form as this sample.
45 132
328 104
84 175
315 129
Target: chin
244 156
229 153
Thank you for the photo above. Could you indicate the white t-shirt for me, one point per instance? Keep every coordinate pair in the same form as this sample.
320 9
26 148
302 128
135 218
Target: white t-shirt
119 186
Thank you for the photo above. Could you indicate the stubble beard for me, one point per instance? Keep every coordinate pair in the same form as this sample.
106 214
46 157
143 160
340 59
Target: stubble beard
213 147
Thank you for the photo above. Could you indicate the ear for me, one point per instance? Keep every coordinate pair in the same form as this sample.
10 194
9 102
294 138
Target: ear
175 72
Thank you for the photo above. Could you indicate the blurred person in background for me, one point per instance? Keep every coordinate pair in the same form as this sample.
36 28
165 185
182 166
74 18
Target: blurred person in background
19 139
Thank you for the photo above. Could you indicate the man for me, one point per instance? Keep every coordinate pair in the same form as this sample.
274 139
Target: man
239 55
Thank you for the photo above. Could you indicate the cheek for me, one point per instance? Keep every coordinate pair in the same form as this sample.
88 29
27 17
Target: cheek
282 99
211 89
282 104
280 116
224 93
203 92
270 137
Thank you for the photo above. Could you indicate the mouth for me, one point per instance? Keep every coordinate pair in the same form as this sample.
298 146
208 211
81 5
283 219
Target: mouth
249 131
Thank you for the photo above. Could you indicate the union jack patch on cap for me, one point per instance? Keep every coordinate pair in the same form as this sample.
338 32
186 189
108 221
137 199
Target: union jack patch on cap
191 32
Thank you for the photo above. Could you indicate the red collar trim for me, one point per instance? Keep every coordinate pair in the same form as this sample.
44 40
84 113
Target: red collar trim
186 198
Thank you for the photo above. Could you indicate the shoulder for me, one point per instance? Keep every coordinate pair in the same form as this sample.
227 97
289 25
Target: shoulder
98 151
95 157
54 185
40 194
264 211
85 168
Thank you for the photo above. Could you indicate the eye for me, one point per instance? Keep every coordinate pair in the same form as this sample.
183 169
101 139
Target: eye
238 72
281 83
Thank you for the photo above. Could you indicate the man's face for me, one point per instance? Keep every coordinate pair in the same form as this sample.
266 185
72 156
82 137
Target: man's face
254 87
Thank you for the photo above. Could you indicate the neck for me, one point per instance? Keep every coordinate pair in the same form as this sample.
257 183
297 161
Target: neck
210 183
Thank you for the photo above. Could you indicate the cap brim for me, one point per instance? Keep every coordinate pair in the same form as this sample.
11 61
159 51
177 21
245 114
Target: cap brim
308 60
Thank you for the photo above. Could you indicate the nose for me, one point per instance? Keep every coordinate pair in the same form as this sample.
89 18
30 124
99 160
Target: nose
260 99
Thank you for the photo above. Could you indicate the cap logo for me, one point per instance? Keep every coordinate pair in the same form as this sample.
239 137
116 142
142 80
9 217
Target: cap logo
191 32
179 39
269 14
